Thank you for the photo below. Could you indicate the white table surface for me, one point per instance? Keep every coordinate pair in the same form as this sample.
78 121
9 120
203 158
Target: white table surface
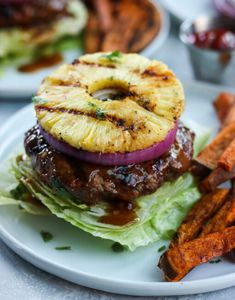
22 281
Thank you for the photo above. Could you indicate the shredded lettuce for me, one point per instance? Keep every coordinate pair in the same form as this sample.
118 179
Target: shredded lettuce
13 192
158 214
63 44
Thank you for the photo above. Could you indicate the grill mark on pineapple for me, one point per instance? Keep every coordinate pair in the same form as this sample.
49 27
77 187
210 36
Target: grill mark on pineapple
65 82
118 122
151 72
92 64
146 103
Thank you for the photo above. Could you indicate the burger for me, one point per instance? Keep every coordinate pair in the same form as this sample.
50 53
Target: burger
30 29
108 153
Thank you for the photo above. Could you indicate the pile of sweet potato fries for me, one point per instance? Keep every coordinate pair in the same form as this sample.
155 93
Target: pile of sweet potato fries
208 231
124 25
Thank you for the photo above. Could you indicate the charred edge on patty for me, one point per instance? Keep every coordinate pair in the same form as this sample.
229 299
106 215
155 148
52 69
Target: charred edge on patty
91 183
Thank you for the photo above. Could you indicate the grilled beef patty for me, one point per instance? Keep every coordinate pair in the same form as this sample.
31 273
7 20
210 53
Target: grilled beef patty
29 14
92 183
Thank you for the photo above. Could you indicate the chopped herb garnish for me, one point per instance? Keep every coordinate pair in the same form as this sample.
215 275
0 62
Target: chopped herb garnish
46 236
63 248
162 249
116 247
38 100
100 114
114 56
216 261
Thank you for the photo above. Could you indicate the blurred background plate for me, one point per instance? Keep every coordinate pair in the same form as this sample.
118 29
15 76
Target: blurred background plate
16 85
188 9
157 42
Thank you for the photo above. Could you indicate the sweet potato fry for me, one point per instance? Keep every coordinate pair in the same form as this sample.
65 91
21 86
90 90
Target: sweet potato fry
132 34
230 118
179 260
216 177
222 105
206 207
211 153
92 36
233 187
224 217
148 27
123 30
126 25
104 13
227 159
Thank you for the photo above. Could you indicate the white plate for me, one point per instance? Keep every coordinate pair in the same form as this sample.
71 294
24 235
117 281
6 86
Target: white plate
188 9
91 261
14 84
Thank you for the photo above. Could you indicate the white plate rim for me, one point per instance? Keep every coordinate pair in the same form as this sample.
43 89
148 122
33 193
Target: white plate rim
127 287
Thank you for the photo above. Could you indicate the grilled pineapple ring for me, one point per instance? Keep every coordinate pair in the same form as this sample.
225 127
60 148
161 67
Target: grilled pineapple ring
150 101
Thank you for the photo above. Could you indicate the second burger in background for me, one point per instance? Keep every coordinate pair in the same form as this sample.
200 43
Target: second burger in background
33 29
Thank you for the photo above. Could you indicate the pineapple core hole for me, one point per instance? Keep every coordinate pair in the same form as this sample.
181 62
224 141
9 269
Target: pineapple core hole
110 94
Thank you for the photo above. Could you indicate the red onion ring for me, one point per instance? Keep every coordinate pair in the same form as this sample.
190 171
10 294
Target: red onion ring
225 7
113 159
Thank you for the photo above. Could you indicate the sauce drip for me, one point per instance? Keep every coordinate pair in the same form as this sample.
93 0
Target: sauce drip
215 39
41 63
28 197
120 213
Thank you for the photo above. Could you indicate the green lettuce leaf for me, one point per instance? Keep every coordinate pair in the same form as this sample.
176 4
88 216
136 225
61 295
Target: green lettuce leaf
158 214
13 192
